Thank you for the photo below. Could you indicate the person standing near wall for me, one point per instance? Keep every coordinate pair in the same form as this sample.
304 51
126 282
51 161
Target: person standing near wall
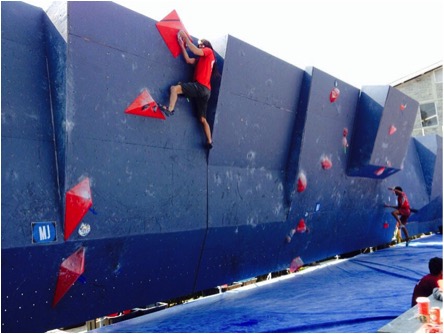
200 88
402 212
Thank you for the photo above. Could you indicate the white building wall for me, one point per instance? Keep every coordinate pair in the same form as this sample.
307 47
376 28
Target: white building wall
425 88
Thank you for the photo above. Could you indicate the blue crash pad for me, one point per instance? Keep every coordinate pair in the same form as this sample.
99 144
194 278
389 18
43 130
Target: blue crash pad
360 294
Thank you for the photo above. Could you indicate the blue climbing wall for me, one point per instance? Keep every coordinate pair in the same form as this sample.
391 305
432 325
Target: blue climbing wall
384 122
252 131
169 218
29 189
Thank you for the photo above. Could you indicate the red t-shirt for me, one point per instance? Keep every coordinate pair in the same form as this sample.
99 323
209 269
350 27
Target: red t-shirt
424 287
204 67
403 204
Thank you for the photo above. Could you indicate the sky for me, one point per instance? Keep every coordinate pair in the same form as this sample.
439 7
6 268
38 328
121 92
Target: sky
361 42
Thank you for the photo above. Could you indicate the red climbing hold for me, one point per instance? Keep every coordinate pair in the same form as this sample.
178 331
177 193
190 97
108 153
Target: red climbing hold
403 106
70 270
392 130
386 225
326 162
144 105
295 264
301 228
302 182
78 201
334 94
168 28
379 171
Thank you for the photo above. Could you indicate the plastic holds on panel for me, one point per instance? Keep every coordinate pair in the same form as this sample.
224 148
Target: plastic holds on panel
302 182
379 171
301 227
84 229
144 105
334 94
295 264
344 144
344 139
392 130
403 106
169 28
386 225
70 270
290 235
78 201
326 162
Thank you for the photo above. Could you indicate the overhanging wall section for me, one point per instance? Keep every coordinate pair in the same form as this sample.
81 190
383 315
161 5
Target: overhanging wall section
384 123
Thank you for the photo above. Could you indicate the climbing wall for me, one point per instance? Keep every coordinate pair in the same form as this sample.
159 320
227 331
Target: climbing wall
430 153
246 173
319 159
108 205
384 122
134 184
410 177
29 190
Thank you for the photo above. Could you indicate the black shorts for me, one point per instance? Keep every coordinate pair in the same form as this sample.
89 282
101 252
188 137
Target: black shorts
200 93
404 219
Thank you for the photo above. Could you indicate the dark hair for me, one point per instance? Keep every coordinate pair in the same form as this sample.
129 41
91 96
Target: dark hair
206 43
398 188
435 266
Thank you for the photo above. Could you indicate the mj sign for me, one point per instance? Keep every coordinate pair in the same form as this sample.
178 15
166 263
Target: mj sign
43 232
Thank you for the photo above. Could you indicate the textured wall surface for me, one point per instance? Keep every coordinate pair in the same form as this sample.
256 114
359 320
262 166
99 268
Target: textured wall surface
384 122
163 217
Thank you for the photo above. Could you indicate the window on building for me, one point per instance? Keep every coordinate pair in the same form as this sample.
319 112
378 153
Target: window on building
429 116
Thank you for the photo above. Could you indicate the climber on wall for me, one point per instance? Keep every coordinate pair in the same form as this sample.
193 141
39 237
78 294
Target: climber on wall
402 212
200 87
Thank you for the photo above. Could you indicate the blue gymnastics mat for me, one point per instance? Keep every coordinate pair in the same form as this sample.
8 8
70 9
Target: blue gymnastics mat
356 295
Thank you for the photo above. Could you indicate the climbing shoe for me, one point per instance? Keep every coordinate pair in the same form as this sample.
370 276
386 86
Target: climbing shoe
166 111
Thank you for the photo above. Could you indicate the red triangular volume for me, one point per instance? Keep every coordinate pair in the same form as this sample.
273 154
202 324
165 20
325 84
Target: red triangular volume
78 201
168 28
144 105
70 270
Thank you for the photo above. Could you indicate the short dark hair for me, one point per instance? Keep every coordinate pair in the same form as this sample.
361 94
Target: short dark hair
398 188
435 266
206 43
